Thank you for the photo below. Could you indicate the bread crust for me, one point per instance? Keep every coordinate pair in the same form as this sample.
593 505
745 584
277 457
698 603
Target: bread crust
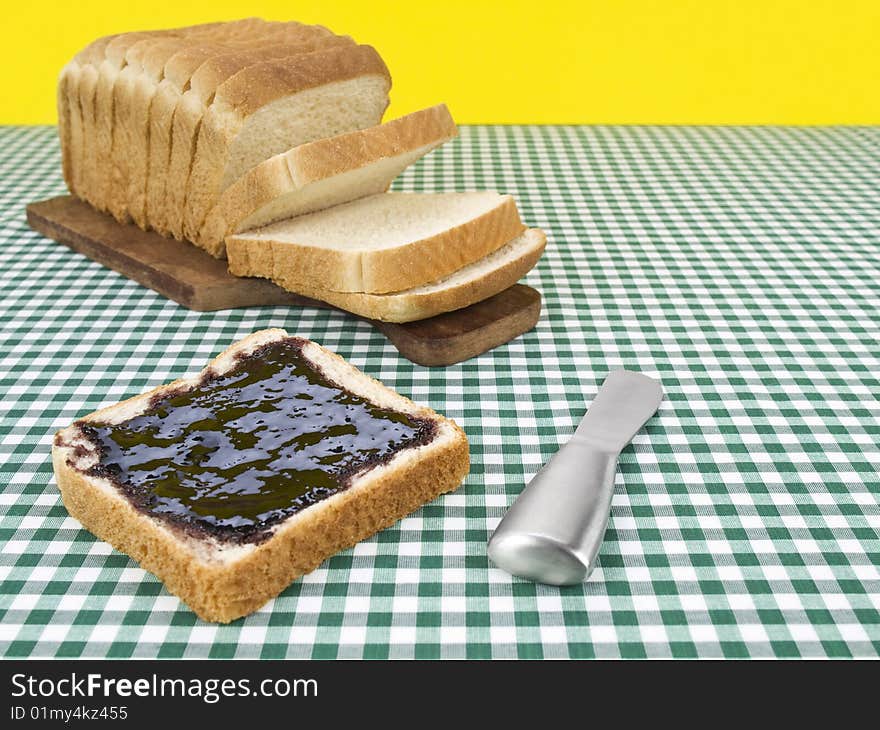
98 163
81 97
128 151
65 122
221 583
320 160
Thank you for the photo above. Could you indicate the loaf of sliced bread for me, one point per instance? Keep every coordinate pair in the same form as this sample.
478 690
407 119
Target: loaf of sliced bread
383 243
203 87
262 142
269 108
473 283
230 484
136 86
88 92
100 64
324 173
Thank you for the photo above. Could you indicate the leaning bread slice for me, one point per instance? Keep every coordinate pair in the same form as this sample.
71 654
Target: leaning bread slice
269 108
231 484
474 283
383 243
325 173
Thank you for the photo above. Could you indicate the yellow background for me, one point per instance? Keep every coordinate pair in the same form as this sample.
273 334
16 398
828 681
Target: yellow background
534 61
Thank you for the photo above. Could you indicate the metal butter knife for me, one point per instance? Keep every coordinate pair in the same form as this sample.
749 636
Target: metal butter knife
553 531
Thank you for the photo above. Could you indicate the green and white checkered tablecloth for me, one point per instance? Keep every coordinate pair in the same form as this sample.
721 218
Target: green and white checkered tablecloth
741 266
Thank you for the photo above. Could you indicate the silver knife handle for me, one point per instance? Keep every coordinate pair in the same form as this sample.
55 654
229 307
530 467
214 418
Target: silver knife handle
552 533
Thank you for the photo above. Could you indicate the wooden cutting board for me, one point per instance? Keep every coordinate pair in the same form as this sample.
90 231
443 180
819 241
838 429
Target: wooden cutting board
196 280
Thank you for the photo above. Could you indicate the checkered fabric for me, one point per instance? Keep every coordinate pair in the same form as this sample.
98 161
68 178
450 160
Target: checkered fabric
738 265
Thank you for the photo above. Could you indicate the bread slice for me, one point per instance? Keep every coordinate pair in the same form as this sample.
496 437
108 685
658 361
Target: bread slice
70 115
384 243
473 283
324 173
70 124
203 87
269 108
70 131
128 144
191 531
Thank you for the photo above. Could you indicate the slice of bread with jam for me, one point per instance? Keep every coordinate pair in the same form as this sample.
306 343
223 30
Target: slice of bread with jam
232 483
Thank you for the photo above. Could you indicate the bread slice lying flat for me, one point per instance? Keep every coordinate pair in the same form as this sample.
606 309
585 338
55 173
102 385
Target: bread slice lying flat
325 173
383 243
473 283
229 502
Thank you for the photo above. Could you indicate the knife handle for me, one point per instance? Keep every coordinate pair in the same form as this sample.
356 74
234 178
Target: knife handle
553 531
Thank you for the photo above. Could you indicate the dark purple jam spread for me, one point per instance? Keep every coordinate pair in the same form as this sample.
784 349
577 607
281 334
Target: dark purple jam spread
244 450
